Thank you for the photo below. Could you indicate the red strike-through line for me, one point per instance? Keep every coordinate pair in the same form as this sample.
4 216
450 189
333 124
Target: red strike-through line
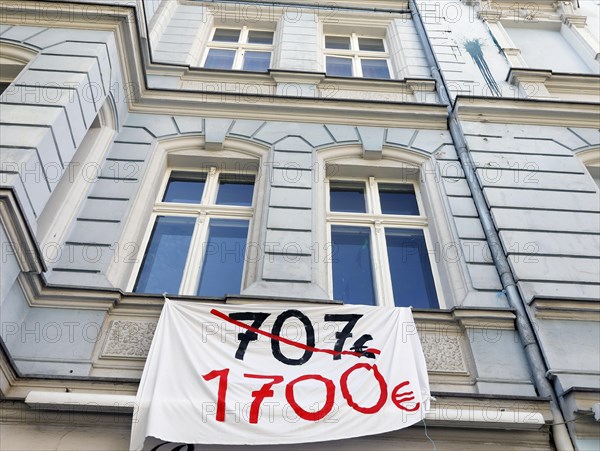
286 340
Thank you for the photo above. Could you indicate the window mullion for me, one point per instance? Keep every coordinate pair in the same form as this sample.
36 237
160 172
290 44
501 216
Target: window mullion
210 189
373 196
354 42
191 273
238 60
238 64
357 68
244 35
379 263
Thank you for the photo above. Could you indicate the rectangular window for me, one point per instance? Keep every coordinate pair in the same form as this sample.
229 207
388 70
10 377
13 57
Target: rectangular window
185 188
166 254
224 254
378 224
198 246
239 49
354 56
347 196
235 189
220 59
339 67
351 260
398 199
410 271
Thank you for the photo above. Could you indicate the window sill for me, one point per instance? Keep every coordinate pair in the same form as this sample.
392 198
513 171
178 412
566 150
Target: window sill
552 85
280 83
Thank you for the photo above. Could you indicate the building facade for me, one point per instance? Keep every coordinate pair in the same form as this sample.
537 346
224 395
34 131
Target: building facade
443 155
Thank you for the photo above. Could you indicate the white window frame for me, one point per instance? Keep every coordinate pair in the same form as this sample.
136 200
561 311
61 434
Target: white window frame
239 47
591 160
356 54
206 210
377 222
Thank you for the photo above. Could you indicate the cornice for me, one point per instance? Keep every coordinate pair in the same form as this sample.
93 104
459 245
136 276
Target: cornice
466 318
121 21
528 112
68 14
372 5
588 84
294 109
566 309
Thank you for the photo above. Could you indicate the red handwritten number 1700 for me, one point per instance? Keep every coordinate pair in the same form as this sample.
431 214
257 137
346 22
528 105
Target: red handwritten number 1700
266 391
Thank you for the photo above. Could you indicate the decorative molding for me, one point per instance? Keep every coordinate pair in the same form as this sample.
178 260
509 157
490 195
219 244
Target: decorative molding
18 231
231 105
374 5
443 353
556 83
129 339
13 58
528 112
571 310
297 109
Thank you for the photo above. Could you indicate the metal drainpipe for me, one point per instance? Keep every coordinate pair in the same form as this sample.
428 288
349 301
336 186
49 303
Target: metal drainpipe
562 440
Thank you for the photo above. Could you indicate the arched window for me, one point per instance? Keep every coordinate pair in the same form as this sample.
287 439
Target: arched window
13 59
377 225
591 160
377 230
201 219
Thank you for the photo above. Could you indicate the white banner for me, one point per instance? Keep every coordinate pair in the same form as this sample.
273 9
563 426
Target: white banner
273 373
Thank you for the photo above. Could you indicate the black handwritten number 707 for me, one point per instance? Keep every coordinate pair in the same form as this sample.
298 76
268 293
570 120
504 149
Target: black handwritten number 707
358 349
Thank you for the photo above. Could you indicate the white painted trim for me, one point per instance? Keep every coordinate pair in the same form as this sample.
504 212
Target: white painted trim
591 160
187 154
84 401
240 47
355 54
507 111
489 418
13 59
352 156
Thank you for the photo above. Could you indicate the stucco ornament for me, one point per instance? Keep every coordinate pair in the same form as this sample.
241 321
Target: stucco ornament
443 354
129 339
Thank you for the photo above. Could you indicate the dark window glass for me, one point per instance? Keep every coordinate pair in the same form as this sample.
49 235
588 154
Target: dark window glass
165 257
3 87
412 280
260 37
185 188
351 263
235 189
219 59
226 35
347 197
337 42
371 45
257 61
224 254
339 67
375 68
398 199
